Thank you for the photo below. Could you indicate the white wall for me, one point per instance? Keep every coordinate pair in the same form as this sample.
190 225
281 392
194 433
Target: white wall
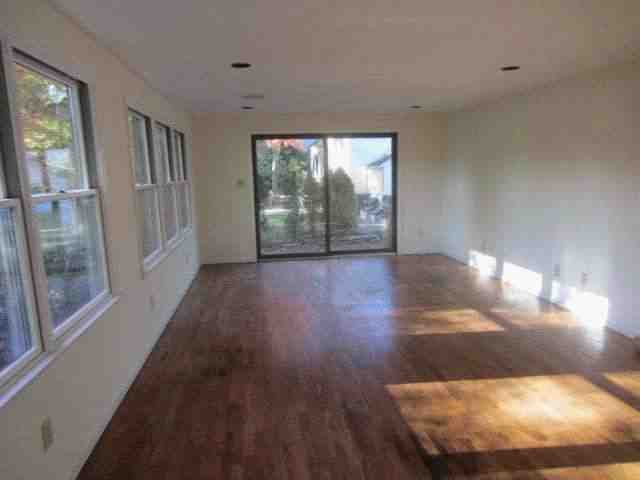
553 178
222 152
80 389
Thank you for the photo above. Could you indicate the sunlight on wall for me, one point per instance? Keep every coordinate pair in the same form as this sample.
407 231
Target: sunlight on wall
522 278
514 413
591 310
485 264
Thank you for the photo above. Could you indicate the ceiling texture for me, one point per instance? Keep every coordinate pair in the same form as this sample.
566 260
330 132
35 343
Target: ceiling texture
357 55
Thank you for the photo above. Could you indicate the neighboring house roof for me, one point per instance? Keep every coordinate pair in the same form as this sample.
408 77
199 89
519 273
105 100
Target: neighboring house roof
380 161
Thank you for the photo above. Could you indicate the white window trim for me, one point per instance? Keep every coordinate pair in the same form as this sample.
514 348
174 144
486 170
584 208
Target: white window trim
52 332
182 178
76 117
147 154
150 258
152 185
48 342
160 182
27 284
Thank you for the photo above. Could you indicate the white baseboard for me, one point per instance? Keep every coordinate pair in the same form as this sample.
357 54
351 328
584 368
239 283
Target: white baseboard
120 397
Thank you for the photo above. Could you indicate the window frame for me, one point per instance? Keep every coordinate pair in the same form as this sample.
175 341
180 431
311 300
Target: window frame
166 183
149 260
48 340
79 148
183 180
151 180
324 137
27 284
167 175
55 332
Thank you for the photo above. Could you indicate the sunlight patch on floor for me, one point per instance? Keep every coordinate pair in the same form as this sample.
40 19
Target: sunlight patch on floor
618 471
427 322
630 381
514 413
422 321
525 320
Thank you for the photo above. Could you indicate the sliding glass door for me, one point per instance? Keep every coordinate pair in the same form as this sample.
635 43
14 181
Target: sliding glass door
324 194
361 172
290 194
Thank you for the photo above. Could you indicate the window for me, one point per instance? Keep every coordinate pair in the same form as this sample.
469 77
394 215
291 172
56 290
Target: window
146 186
162 186
19 340
49 207
183 187
167 165
66 207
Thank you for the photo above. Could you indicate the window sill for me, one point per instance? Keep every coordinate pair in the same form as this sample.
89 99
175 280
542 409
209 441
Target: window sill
156 259
42 361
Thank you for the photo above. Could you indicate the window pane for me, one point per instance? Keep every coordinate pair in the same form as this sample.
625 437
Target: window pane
52 154
166 155
182 167
138 146
176 154
183 157
73 256
148 214
15 331
291 195
169 204
183 205
162 150
361 193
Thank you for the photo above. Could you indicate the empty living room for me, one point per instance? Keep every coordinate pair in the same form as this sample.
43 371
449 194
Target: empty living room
305 239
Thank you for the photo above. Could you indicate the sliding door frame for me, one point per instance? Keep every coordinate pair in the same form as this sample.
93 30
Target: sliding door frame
327 213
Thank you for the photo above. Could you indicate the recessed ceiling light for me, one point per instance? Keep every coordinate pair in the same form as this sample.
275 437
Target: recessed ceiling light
253 96
510 68
416 107
247 107
240 65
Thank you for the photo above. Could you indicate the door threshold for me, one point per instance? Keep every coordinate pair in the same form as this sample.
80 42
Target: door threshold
326 257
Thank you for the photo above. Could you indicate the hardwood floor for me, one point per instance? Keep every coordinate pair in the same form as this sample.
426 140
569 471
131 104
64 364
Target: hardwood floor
401 367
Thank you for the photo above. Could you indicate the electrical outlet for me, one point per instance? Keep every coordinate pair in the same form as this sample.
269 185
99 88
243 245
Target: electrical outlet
152 302
556 271
584 279
46 431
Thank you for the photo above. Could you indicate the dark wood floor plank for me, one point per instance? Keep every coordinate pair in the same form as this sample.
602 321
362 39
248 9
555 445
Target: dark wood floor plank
402 367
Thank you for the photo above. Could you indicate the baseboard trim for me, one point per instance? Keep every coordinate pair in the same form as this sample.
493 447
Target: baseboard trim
120 397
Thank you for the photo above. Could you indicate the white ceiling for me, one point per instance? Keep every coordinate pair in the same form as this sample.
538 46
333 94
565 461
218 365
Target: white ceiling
357 55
